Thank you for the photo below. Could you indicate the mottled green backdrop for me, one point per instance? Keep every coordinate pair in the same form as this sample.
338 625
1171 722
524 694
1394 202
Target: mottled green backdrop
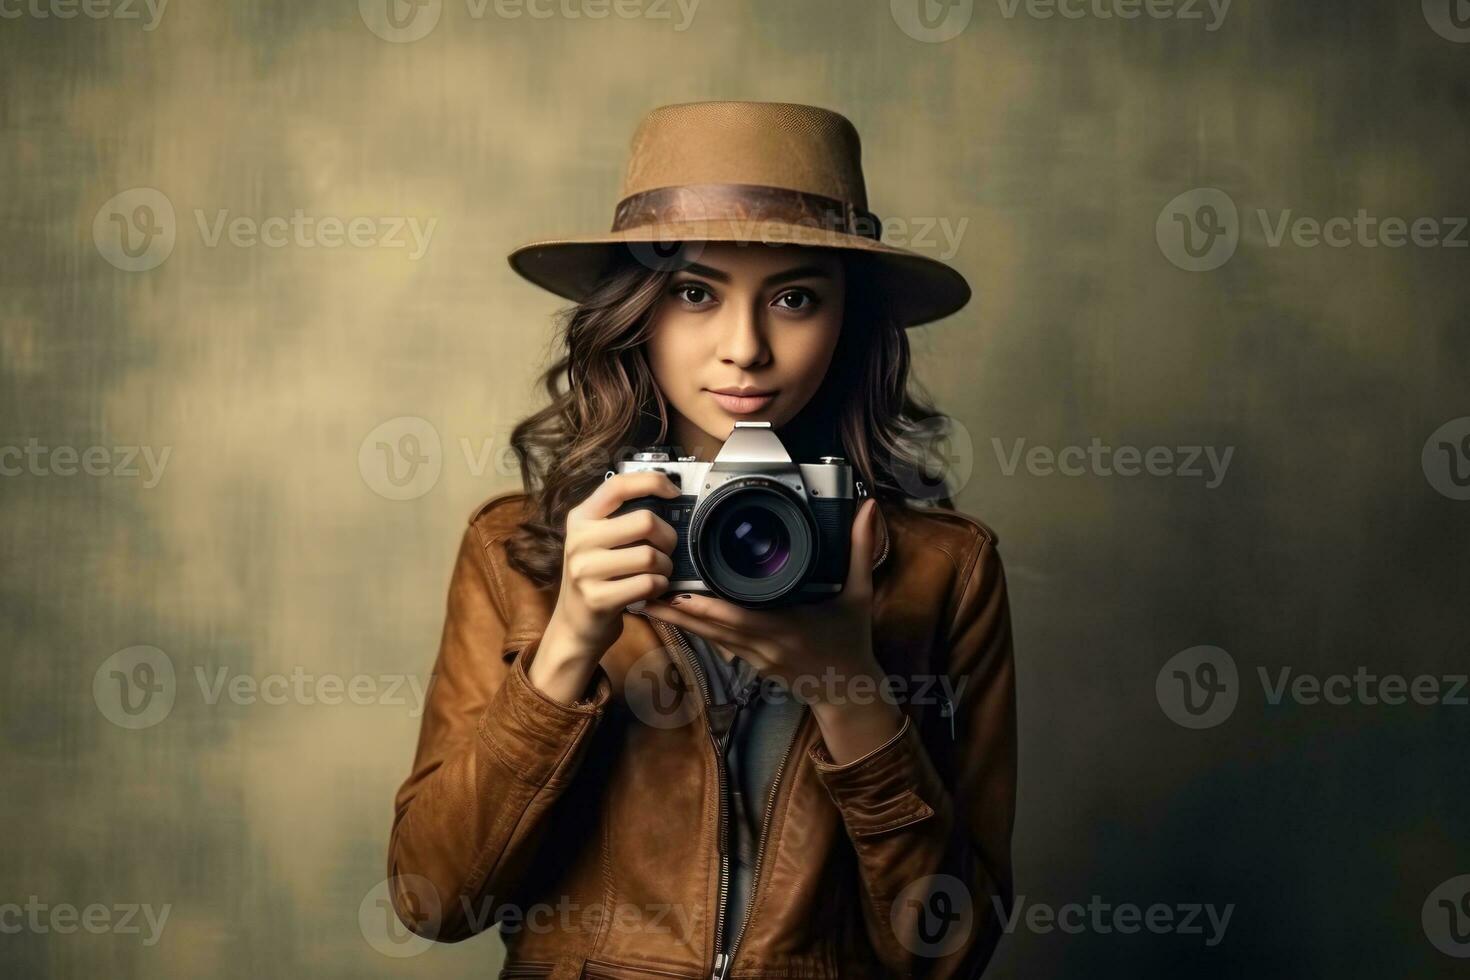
260 352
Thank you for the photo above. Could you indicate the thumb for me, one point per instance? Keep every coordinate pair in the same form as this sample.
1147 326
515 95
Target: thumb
860 554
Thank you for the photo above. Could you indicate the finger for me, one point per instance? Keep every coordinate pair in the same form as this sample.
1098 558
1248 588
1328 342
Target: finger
859 584
714 632
629 529
614 563
623 591
727 614
619 488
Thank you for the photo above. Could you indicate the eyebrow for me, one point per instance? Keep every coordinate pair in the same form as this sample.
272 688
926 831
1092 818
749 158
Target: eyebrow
797 272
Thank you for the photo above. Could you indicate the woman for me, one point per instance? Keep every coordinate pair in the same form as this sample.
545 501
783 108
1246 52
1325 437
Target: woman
792 816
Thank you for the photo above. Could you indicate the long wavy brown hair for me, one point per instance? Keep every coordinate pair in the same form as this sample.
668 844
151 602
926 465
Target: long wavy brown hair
605 405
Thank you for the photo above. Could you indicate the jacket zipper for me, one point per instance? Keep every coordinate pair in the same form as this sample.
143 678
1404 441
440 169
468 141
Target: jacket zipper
760 849
687 653
722 959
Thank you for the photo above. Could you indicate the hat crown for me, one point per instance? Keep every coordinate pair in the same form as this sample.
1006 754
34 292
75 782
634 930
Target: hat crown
775 144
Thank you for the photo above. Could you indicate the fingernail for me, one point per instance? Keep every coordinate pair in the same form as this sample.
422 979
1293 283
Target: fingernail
680 598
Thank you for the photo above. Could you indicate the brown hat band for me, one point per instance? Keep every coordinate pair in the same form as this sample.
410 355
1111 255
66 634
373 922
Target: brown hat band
744 202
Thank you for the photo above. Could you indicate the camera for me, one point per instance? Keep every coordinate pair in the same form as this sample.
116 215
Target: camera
755 528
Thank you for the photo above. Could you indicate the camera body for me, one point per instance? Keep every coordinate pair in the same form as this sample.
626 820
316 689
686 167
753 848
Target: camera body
755 528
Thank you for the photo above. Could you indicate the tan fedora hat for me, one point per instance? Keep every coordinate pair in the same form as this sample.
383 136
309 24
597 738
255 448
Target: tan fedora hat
773 172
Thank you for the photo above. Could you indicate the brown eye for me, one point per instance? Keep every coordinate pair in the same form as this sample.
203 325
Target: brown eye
796 300
692 293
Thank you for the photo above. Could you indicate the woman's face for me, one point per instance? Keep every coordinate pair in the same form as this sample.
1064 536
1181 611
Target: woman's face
758 317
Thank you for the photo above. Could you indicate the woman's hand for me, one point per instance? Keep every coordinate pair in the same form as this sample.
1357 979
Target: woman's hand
796 644
608 562
799 645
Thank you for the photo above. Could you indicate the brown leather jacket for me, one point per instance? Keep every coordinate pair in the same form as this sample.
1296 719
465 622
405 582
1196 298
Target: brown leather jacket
595 840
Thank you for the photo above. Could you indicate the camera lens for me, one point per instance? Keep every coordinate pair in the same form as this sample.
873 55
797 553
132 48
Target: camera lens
755 542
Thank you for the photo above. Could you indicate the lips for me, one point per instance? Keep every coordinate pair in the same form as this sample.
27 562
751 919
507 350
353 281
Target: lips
742 404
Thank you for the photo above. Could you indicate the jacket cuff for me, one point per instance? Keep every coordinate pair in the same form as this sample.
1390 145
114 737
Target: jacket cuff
531 731
884 789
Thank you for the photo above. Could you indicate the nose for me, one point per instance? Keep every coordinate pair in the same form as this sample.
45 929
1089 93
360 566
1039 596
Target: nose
742 339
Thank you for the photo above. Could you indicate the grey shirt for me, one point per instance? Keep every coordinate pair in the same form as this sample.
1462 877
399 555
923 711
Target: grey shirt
760 732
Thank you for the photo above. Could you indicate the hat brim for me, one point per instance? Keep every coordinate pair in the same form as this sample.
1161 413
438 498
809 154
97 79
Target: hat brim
920 289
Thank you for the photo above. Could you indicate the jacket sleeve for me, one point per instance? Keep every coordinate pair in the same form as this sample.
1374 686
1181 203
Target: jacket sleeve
494 753
933 844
